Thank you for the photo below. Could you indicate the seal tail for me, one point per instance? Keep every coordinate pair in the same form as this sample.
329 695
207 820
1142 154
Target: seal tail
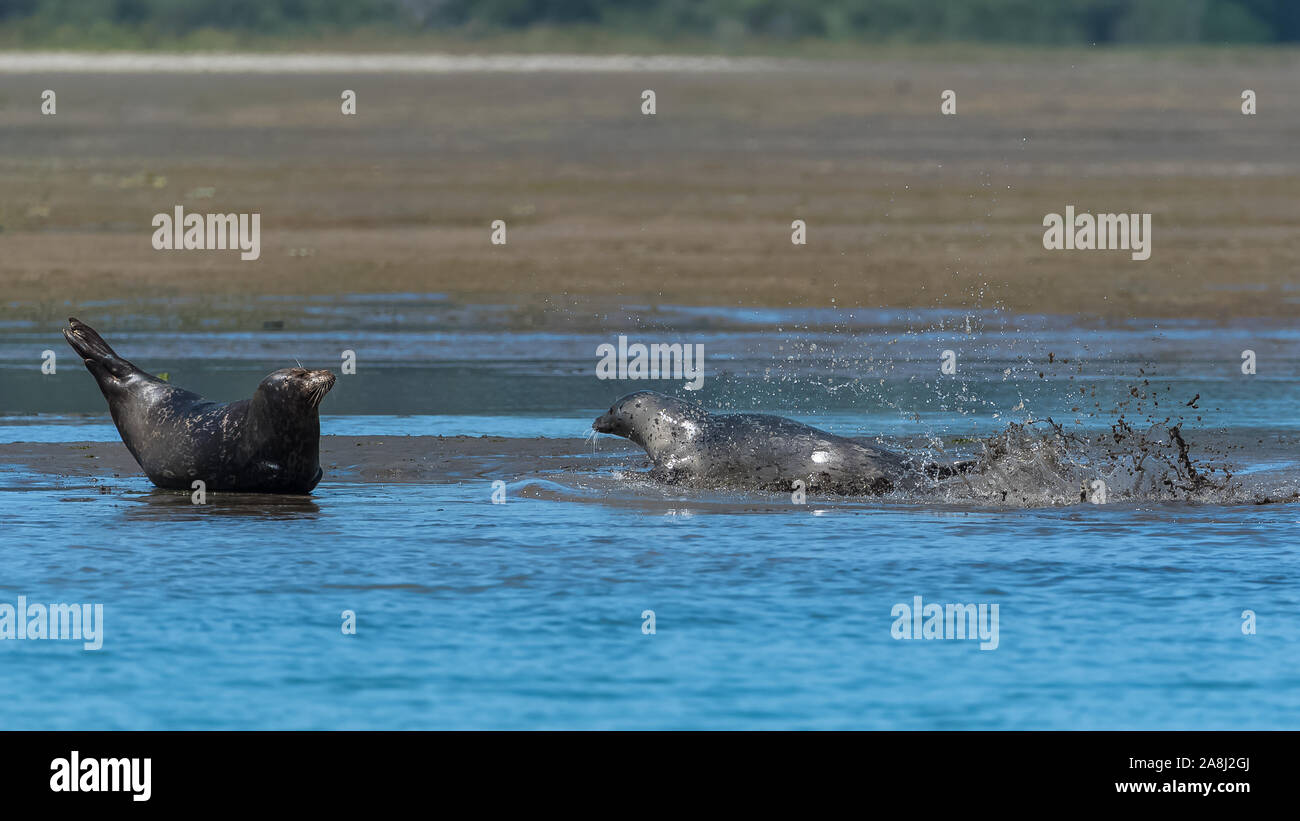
91 347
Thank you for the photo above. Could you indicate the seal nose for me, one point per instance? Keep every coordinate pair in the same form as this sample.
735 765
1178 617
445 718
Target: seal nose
318 383
603 423
323 379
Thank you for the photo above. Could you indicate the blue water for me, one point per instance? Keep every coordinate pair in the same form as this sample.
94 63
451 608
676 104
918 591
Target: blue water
529 614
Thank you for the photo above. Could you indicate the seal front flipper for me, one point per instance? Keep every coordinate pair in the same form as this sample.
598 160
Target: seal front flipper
667 476
100 359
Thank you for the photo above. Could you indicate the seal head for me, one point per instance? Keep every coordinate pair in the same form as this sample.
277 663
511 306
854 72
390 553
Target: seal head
669 429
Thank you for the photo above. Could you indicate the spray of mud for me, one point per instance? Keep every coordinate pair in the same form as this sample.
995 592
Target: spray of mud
1165 457
1040 464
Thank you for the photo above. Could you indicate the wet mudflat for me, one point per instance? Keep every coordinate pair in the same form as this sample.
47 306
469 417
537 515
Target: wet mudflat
906 208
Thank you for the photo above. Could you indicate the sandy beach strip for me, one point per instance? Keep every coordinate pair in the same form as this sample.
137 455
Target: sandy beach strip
46 62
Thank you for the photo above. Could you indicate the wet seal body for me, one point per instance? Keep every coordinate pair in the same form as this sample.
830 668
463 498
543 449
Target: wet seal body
267 444
687 444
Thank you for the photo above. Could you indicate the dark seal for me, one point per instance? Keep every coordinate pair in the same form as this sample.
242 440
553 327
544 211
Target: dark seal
689 445
267 444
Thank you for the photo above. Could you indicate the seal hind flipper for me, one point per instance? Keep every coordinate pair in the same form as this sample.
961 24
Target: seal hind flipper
99 357
942 470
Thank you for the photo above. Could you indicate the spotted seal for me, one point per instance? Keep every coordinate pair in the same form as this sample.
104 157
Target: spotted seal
267 444
689 445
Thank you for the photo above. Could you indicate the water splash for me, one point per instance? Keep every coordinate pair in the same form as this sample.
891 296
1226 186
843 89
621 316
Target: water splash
1040 464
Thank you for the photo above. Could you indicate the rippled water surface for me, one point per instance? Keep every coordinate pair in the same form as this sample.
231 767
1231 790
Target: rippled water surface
767 614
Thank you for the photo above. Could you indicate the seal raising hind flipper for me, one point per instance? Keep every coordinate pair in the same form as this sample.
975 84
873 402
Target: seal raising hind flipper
689 444
267 444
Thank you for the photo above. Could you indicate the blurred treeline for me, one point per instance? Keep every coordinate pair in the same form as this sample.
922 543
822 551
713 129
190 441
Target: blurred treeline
999 21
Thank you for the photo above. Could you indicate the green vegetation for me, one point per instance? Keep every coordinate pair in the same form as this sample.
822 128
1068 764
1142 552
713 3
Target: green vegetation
636 25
